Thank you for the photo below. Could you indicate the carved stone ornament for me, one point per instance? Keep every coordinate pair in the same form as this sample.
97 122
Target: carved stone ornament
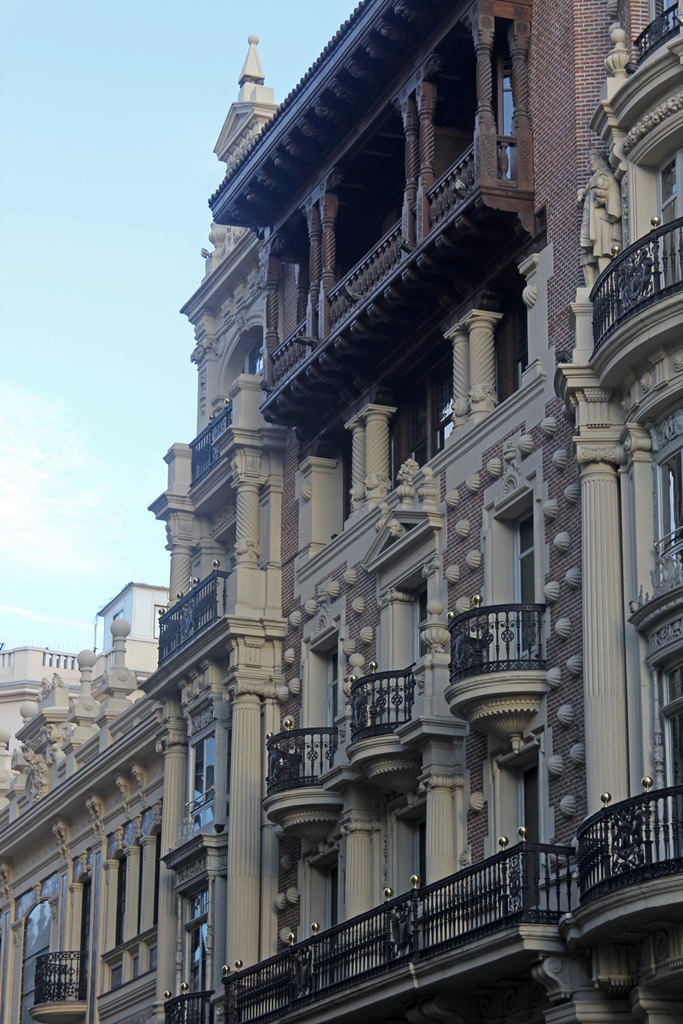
62 835
600 199
561 977
95 809
651 120
6 881
38 774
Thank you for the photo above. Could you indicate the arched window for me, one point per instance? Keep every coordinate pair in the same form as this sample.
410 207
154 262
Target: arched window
36 942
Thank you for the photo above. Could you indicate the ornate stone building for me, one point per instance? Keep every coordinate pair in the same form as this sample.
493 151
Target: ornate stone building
419 689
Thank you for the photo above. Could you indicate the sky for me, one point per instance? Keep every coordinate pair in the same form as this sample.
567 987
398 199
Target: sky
109 113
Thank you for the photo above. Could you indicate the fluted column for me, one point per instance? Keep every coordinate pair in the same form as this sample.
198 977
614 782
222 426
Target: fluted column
440 825
244 847
426 103
460 339
173 744
357 428
180 537
357 832
603 627
377 477
329 208
148 848
314 268
481 326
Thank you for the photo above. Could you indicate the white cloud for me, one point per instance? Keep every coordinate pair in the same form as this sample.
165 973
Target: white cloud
55 497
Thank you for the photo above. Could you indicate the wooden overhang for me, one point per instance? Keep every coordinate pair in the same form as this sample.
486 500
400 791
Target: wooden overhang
371 49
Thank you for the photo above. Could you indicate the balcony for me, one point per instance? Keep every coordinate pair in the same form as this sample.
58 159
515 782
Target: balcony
204 455
658 32
189 1008
288 355
296 800
61 988
631 842
192 615
528 884
381 702
643 276
497 677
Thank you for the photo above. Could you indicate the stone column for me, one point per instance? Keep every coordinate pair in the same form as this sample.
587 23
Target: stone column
329 208
244 846
407 106
247 468
603 627
314 269
377 477
440 822
272 331
481 325
111 880
148 849
460 339
180 536
130 923
357 428
172 742
426 103
656 1007
357 831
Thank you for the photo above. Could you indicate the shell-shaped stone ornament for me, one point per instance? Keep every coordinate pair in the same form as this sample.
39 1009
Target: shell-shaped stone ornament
289 656
551 509
526 444
561 459
563 628
334 589
577 754
473 558
553 677
549 426
566 715
366 634
295 618
453 497
561 541
555 765
462 528
473 483
462 605
568 805
494 467
573 577
350 576
358 605
477 801
452 573
552 591
575 665
311 607
572 494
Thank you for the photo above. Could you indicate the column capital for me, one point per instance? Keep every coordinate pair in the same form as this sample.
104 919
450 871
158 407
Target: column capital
607 454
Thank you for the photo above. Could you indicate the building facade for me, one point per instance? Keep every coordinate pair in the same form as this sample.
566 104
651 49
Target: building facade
416 722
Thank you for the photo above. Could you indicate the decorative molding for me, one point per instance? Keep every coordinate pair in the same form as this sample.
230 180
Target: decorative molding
651 120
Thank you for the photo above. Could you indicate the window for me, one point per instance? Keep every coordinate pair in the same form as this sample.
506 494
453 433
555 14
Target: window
196 931
36 943
420 850
668 185
332 896
254 361
332 664
120 901
674 714
203 769
425 420
525 584
528 802
420 620
512 350
86 899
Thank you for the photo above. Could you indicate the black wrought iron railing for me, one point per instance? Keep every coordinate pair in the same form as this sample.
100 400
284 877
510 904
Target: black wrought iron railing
497 638
630 842
204 455
61 978
650 269
204 605
189 1008
664 27
530 883
380 702
298 758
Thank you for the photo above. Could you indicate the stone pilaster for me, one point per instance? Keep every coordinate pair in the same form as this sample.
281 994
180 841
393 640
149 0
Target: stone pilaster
172 742
244 847
148 846
357 829
440 838
603 626
247 469
377 478
481 325
130 924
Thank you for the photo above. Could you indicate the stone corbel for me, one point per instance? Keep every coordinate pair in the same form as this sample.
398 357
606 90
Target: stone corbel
615 968
436 1009
62 835
562 977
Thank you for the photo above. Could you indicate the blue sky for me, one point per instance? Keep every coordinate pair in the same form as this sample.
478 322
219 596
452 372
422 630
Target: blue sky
109 113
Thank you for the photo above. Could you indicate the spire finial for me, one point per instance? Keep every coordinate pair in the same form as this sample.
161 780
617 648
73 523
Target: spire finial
252 70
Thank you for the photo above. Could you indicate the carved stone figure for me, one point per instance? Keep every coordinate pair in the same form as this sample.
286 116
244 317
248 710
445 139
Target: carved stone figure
601 221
